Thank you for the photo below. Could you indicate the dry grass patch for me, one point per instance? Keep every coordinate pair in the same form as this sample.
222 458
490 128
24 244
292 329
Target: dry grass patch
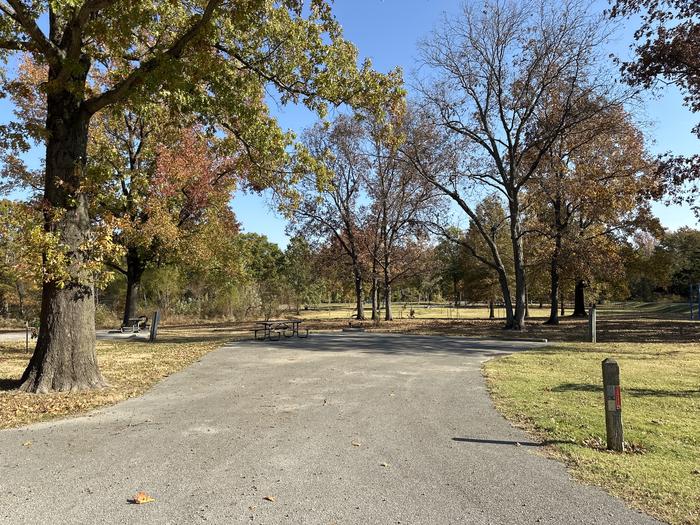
129 367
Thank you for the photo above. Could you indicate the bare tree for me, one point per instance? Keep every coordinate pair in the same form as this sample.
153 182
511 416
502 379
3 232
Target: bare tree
399 200
329 209
493 71
434 154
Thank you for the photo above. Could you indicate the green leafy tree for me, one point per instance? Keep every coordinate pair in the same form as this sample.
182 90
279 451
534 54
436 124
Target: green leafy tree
209 58
301 273
264 264
683 247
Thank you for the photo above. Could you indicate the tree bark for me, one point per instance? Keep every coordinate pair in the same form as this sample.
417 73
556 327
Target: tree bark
135 267
518 321
580 299
387 292
562 310
359 299
507 301
492 309
64 358
375 299
554 287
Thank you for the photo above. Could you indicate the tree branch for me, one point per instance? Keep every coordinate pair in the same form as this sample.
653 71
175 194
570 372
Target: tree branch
20 15
126 86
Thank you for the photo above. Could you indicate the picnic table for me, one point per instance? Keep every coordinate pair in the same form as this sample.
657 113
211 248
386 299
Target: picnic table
287 327
135 324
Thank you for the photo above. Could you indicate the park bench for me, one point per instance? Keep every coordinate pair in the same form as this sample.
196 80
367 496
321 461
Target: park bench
134 324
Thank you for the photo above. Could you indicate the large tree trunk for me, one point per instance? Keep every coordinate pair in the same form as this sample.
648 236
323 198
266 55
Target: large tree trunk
580 299
64 358
518 266
359 299
388 316
562 310
507 301
134 272
375 299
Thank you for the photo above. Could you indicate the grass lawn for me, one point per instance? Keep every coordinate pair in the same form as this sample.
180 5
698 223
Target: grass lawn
130 368
556 392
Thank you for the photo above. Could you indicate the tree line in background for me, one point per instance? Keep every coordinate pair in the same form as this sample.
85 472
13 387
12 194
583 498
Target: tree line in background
261 280
516 173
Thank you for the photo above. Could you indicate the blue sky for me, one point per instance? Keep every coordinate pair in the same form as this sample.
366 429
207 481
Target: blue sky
387 31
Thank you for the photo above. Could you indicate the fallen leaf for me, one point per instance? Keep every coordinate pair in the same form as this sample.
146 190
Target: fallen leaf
27 444
269 498
140 498
384 464
356 443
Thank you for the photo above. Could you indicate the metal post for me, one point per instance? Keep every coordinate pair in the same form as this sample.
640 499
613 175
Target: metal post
154 326
613 405
592 321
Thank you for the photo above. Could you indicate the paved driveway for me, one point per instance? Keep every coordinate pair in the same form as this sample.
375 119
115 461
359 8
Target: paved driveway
344 429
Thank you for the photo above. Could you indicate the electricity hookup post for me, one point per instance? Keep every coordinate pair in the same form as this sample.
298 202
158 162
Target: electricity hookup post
613 405
154 326
592 320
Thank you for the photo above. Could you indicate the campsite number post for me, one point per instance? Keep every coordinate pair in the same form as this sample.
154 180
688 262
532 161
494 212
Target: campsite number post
613 405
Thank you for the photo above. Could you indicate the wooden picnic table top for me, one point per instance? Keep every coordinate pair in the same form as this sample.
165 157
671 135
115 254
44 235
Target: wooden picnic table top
282 321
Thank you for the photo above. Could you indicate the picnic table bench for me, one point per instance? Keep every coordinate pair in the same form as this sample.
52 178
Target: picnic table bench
286 328
135 324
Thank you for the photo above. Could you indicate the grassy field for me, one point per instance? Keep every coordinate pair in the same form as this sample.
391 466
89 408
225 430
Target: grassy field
557 393
130 368
660 310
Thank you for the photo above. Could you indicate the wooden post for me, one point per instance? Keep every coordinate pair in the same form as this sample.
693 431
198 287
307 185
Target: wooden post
613 405
154 326
592 321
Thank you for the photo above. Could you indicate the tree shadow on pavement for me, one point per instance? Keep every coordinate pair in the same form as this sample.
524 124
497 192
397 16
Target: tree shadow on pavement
508 442
395 344
636 392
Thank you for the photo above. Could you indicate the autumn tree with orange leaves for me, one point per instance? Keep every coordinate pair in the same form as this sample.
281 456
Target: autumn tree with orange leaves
591 192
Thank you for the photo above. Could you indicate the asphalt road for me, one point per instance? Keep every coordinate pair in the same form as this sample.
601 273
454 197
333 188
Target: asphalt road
336 429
